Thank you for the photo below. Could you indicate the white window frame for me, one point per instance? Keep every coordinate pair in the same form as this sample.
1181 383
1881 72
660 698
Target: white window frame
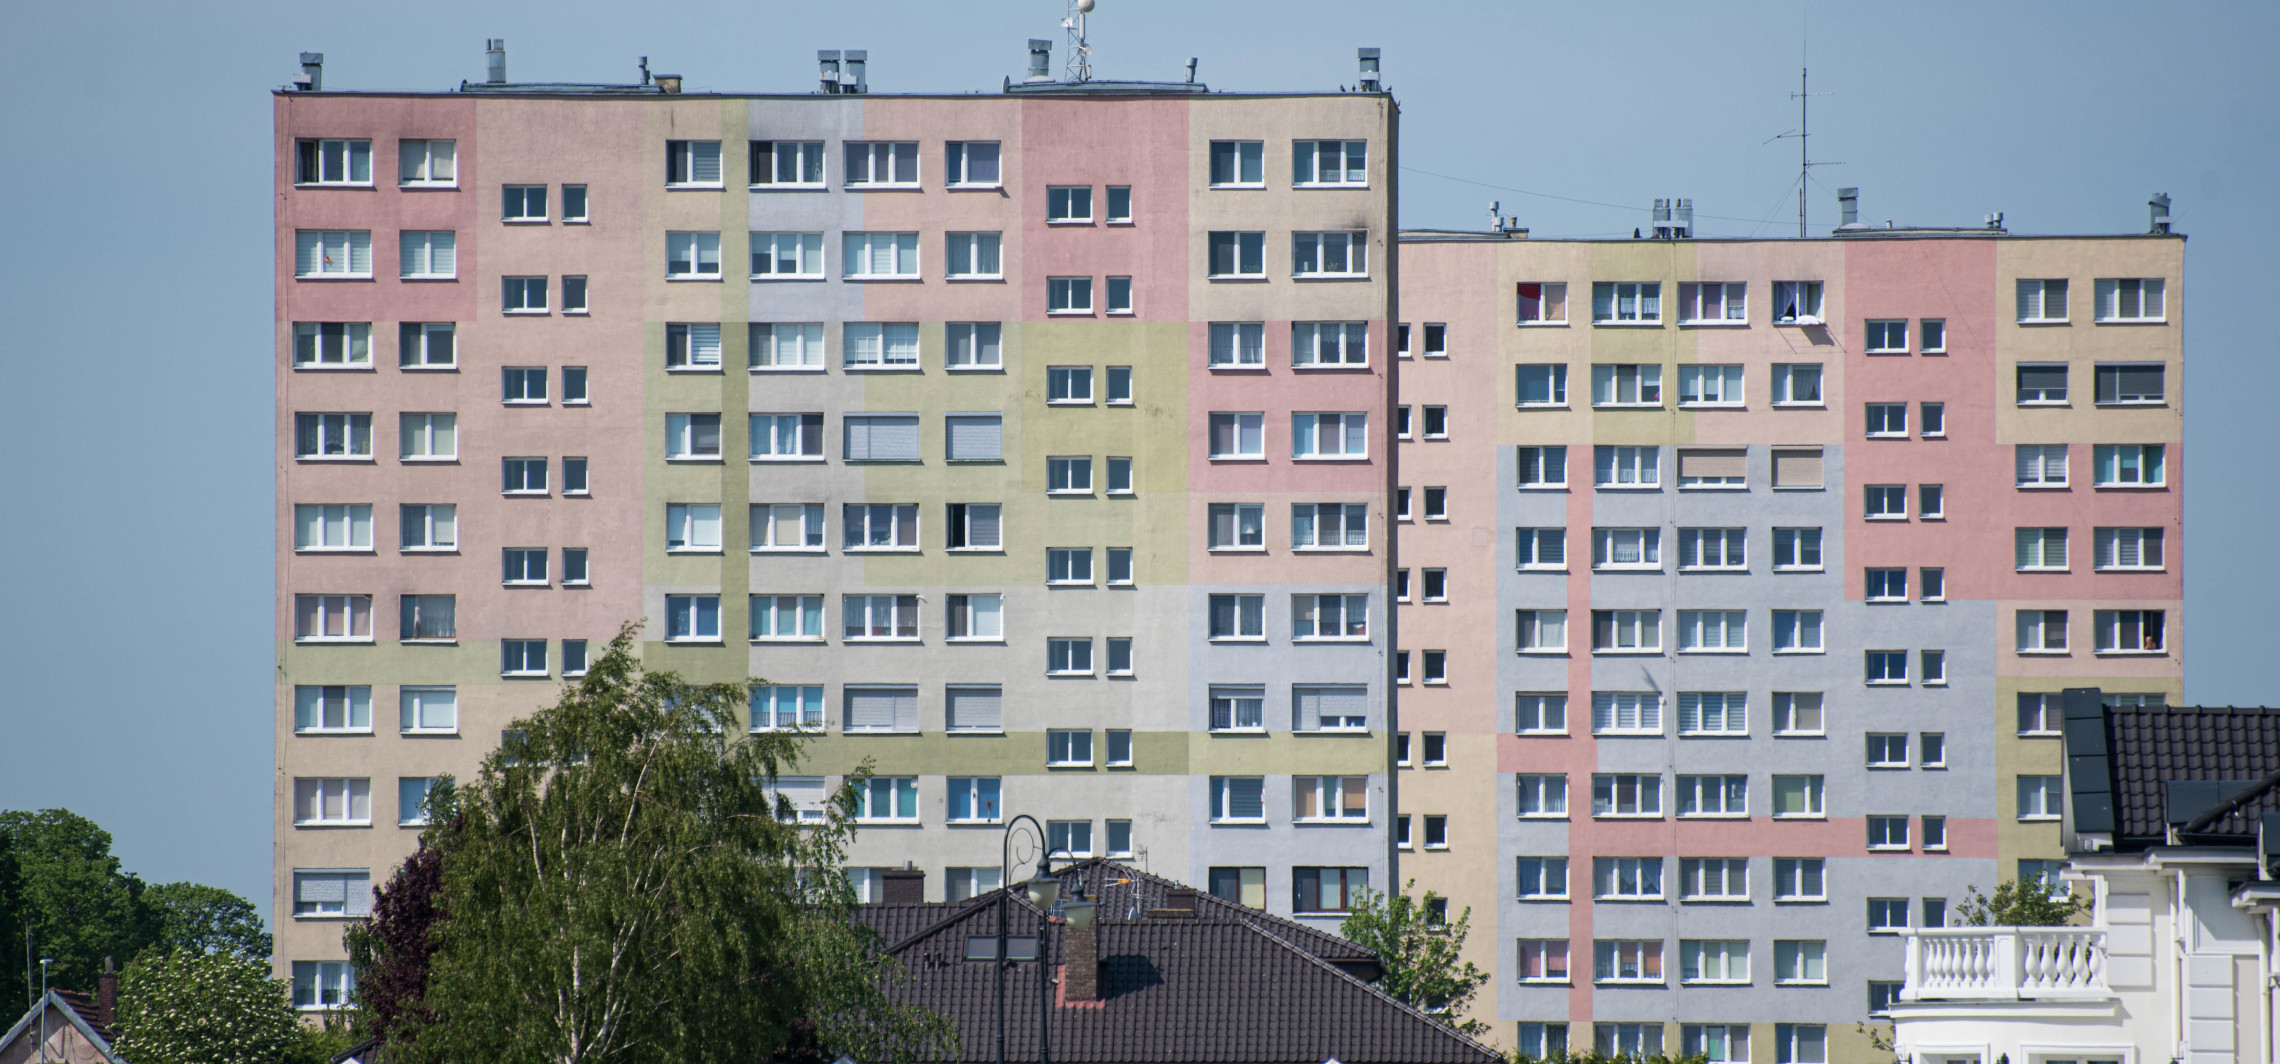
2110 628
1799 632
1540 796
1550 297
2106 465
348 523
1626 796
1787 376
1642 545
689 159
1612 464
1247 522
686 255
1245 158
1713 714
1330 255
1553 376
2034 463
1694 875
332 345
349 153
1247 247
1885 336
1307 616
332 709
319 795
806 157
1626 713
2145 543
960 169
427 163
771 251
1802 297
858 249
1811 790
1630 631
1620 385
314 250
1540 459
2118 294
770 611
2036 299
1352 426
1707 385
1713 632
1609 300
1069 296
1329 344
974 346
1726 544
427 255
974 256
866 172
858 614
1237 345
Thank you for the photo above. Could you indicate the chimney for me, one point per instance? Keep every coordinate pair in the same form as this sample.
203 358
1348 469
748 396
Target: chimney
1848 206
828 59
857 59
1081 974
670 84
903 886
495 59
2160 205
1040 61
1674 219
312 77
107 996
1369 60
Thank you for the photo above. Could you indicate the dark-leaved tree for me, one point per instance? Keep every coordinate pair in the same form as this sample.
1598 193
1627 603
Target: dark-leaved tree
70 889
391 950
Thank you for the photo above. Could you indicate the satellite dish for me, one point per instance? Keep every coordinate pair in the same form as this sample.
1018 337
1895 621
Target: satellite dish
1084 5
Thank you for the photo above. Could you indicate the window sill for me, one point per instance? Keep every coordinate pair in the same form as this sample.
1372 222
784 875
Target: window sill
1069 402
2129 653
1713 323
975 640
2051 403
1683 486
321 367
975 278
767 459
1344 640
305 642
1067 493
1336 822
787 640
332 731
1713 569
2130 487
1684 405
333 277
1087 584
794 186
333 459
787 278
692 369
1887 351
2044 653
884 278
1541 487
437 367
2126 404
1800 816
1330 550
524 402
1124 494
1255 640
714 551
338 550
1799 653
1236 278
423 186
881 368
873 550
1606 652
446 641
1627 487
2044 321
1329 458
1626 406
332 823
1306 366
1232 458
429 731
1800 406
1540 568
975 550
1304 278
1731 652
789 369
1237 367
2130 569
694 459
1656 324
695 641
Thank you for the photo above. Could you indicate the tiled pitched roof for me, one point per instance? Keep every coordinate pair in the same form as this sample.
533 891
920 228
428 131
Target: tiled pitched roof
1227 985
2153 745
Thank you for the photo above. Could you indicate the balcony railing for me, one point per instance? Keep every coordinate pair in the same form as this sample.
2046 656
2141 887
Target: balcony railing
2005 963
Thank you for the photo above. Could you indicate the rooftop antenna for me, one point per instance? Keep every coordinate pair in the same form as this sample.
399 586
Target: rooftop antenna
1080 54
1803 132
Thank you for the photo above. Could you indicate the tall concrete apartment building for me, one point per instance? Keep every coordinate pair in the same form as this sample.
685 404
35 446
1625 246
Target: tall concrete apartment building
1033 445
1789 547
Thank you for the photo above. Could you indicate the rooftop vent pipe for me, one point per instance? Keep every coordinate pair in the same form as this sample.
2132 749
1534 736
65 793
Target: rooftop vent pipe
828 60
2160 205
1848 207
1674 219
1369 60
857 82
495 59
1040 61
312 77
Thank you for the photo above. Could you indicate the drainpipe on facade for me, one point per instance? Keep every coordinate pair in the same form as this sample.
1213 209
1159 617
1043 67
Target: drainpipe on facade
2264 965
2179 994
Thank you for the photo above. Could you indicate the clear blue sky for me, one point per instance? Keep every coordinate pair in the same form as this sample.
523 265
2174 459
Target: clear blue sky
135 298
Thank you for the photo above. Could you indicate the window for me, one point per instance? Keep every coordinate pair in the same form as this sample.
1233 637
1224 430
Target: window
332 801
1120 567
1798 960
411 800
1933 423
1542 385
2042 301
1626 303
1435 666
1330 436
573 295
427 162
1329 526
1543 878
1887 750
332 618
1800 1043
787 526
878 256
1627 961
1329 798
787 255
323 985
799 163
524 385
1330 617
880 345
1326 163
1933 747
1797 302
1321 709
1239 709
1327 890
1540 796
427 618
1436 753
787 617
2127 384
1887 337
1796 713
692 256
2127 299
1713 303
1702 549
1797 796
1887 420
2042 384
1119 294
321 709
1887 833
428 710
692 163
2128 465
332 253
1239 163
1068 204
1542 303
695 436
1068 747
1401 504
1542 467
1436 585
527 565
2041 465
419 345
1713 796
692 618
1887 915
877 617
879 438
1329 343
1886 585
336 344
888 798
1627 467
1797 384
1711 713
1725 467
523 203
1237 526
881 163
2127 631
974 256
1240 344
2040 549
692 347
1884 502
332 527
1238 800
1068 476
2042 631
1713 960
1709 386
1714 879
1544 960
1626 385
1626 631
522 658
975 526
333 162
1436 504
523 295
789 708
1540 548
1626 795
974 437
1933 581
2127 548
334 436
1626 879
1799 879
1237 617
1935 840
1236 255
1335 254
2040 714
879 526
976 617
1068 295
1712 631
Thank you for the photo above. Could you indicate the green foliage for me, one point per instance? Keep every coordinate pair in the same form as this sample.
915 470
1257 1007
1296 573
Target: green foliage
185 1007
391 950
621 884
319 1043
1423 961
2018 903
81 907
202 919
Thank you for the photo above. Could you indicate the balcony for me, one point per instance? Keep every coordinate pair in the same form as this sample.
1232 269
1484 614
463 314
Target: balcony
2005 964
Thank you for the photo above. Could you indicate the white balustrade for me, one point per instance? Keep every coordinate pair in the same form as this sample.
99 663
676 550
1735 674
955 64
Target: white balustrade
2005 963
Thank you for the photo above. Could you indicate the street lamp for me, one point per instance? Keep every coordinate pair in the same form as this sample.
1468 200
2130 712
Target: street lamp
1044 892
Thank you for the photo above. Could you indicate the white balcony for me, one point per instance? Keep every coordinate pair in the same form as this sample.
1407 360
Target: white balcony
2005 964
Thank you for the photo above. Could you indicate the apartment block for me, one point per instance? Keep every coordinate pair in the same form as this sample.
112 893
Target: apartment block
1033 445
1788 548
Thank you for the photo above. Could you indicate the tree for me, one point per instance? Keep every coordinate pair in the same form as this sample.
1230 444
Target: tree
200 919
622 884
391 951
80 906
2019 903
187 1007
1422 957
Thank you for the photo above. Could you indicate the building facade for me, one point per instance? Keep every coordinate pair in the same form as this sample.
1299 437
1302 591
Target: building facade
1788 547
1033 446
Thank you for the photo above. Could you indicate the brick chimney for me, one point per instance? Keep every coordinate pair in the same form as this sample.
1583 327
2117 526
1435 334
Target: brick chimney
1081 980
107 996
903 886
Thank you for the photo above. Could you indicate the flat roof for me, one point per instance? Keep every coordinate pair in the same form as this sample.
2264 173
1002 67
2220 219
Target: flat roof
1461 236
